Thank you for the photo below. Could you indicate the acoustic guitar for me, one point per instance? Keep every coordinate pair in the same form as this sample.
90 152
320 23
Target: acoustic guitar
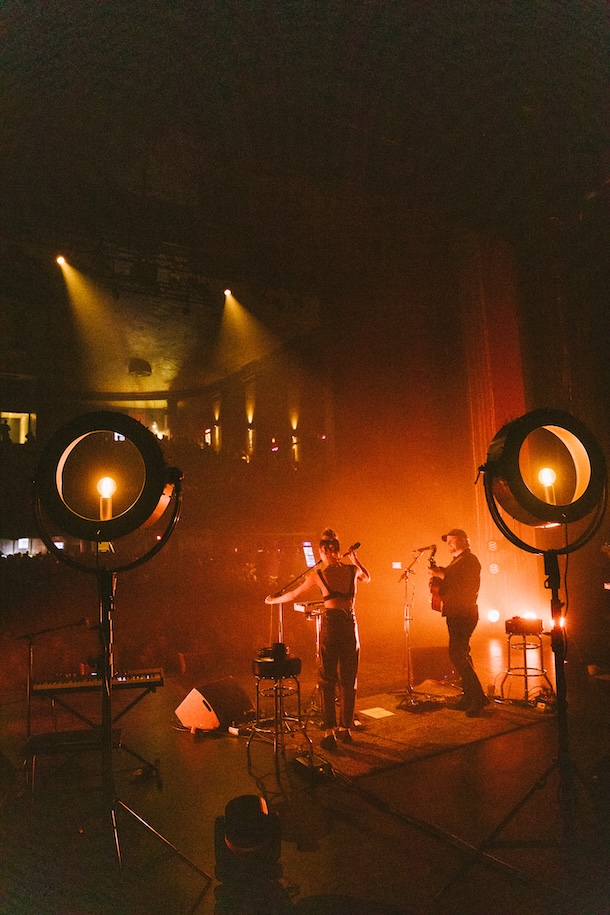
435 586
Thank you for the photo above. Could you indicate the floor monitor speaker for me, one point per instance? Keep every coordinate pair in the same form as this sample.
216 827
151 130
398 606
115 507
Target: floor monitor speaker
196 713
218 704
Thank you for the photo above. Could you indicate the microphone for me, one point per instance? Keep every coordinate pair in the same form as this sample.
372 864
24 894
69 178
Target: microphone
422 549
353 548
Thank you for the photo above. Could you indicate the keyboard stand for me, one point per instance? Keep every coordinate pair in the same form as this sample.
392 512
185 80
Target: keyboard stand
151 769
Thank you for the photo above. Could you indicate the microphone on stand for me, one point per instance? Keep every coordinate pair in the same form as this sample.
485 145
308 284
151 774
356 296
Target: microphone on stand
422 549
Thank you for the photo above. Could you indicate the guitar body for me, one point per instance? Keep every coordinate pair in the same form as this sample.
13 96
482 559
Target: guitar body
435 594
435 587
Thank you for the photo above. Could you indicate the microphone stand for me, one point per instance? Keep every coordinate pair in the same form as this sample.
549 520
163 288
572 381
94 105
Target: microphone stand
283 590
410 702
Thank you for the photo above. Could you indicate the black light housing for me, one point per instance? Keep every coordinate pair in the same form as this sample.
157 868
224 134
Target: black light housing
92 445
521 449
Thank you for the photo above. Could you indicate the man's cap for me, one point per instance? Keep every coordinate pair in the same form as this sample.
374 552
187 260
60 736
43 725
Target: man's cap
455 532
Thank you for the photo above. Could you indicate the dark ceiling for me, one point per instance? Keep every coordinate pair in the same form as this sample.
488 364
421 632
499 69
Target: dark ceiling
495 110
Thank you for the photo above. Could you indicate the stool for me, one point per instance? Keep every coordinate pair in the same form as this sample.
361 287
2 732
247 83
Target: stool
524 642
284 674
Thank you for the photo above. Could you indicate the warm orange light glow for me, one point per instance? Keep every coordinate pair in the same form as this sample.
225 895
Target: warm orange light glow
227 292
60 259
106 487
547 476
493 616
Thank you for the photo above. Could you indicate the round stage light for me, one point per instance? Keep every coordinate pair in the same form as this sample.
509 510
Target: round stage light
546 468
103 476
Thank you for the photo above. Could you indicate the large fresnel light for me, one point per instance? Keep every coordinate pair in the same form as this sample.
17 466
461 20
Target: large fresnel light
101 477
546 471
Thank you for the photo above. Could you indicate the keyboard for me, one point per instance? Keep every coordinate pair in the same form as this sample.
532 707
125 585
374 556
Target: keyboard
77 683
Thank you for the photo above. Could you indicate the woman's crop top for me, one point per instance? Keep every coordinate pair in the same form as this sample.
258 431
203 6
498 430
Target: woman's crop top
339 595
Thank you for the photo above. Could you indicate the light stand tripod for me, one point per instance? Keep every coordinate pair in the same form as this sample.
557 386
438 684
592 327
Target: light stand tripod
111 803
563 764
57 488
517 463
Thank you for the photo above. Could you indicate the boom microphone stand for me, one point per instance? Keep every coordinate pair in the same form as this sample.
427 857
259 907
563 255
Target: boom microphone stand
407 618
413 699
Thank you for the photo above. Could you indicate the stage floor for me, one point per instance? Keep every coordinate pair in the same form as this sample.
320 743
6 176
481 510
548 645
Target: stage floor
394 824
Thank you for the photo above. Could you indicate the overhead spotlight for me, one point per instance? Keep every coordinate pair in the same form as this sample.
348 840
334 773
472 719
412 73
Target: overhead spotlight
227 292
60 259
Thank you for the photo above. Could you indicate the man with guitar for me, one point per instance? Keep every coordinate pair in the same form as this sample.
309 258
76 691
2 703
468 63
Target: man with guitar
458 590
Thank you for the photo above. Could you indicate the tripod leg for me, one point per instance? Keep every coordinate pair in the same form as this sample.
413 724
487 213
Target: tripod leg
489 842
115 833
181 855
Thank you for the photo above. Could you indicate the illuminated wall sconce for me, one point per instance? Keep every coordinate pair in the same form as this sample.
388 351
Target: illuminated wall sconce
294 448
250 440
217 436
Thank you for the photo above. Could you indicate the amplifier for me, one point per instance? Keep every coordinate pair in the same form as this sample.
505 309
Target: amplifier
520 626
